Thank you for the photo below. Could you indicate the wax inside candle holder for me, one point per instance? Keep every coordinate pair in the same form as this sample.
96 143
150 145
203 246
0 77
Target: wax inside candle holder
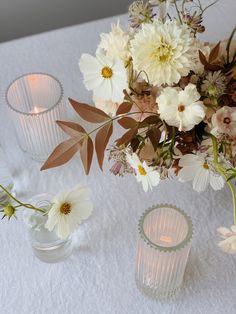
162 250
36 102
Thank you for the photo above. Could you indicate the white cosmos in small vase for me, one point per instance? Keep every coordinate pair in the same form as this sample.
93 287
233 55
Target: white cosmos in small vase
69 209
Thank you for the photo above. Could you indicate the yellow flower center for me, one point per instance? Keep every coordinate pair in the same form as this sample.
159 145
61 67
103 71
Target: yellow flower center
106 72
181 108
163 53
205 166
65 208
141 170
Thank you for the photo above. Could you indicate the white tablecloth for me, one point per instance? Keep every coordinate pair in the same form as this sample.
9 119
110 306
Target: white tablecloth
99 276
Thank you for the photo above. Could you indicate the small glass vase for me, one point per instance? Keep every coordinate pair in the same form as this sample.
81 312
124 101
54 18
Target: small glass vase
165 235
45 244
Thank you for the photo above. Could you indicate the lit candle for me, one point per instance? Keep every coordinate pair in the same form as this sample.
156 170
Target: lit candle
162 250
36 102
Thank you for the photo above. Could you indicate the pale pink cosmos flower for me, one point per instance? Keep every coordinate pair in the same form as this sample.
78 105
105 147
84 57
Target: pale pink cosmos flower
144 106
228 244
224 120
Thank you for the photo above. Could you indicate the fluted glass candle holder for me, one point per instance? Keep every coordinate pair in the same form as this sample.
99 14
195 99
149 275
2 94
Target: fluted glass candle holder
36 101
165 234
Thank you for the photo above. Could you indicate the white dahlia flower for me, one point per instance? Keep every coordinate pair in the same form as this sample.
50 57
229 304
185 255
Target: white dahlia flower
164 51
181 108
116 43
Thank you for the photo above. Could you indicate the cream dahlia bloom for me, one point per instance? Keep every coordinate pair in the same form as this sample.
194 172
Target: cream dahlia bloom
164 51
106 77
181 108
68 211
144 174
116 43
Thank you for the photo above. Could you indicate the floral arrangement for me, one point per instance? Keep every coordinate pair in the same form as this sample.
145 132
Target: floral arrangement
67 211
173 95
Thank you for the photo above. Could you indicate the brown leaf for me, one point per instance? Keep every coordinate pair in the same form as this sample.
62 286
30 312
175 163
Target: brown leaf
127 137
127 123
86 153
202 58
71 128
125 107
150 120
101 141
134 144
154 136
62 153
89 113
214 53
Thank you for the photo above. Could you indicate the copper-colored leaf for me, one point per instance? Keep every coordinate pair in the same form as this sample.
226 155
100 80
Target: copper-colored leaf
89 113
125 107
134 144
62 153
101 141
154 119
214 53
71 128
127 123
207 65
127 137
154 135
86 153
202 58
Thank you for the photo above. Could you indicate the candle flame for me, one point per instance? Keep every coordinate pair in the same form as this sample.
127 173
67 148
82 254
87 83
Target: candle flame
166 239
37 109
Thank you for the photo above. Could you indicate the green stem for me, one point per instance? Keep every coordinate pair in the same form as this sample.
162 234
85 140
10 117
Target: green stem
20 203
221 171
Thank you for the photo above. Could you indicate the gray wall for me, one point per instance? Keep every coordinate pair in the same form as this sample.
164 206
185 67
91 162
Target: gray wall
20 18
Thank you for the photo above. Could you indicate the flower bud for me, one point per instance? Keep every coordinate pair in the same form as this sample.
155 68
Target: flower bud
9 211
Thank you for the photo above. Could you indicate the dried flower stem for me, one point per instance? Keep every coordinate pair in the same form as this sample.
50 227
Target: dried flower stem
221 171
177 10
29 206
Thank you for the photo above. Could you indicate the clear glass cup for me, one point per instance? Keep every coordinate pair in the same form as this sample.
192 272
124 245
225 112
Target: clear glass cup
36 101
165 236
5 179
45 244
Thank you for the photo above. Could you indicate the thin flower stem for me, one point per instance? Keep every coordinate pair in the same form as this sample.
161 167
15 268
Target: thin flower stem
221 170
20 203
119 117
177 10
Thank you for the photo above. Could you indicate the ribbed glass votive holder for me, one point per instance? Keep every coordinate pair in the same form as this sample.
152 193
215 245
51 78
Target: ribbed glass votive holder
165 234
36 101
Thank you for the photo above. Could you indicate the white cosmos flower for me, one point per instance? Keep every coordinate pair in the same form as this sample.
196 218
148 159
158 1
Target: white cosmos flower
144 174
198 168
116 43
228 245
68 211
164 51
106 77
181 108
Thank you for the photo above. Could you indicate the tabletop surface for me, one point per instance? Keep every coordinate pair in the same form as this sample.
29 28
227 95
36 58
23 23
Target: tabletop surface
99 276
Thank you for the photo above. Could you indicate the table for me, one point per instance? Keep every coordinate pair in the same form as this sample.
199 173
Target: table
99 276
